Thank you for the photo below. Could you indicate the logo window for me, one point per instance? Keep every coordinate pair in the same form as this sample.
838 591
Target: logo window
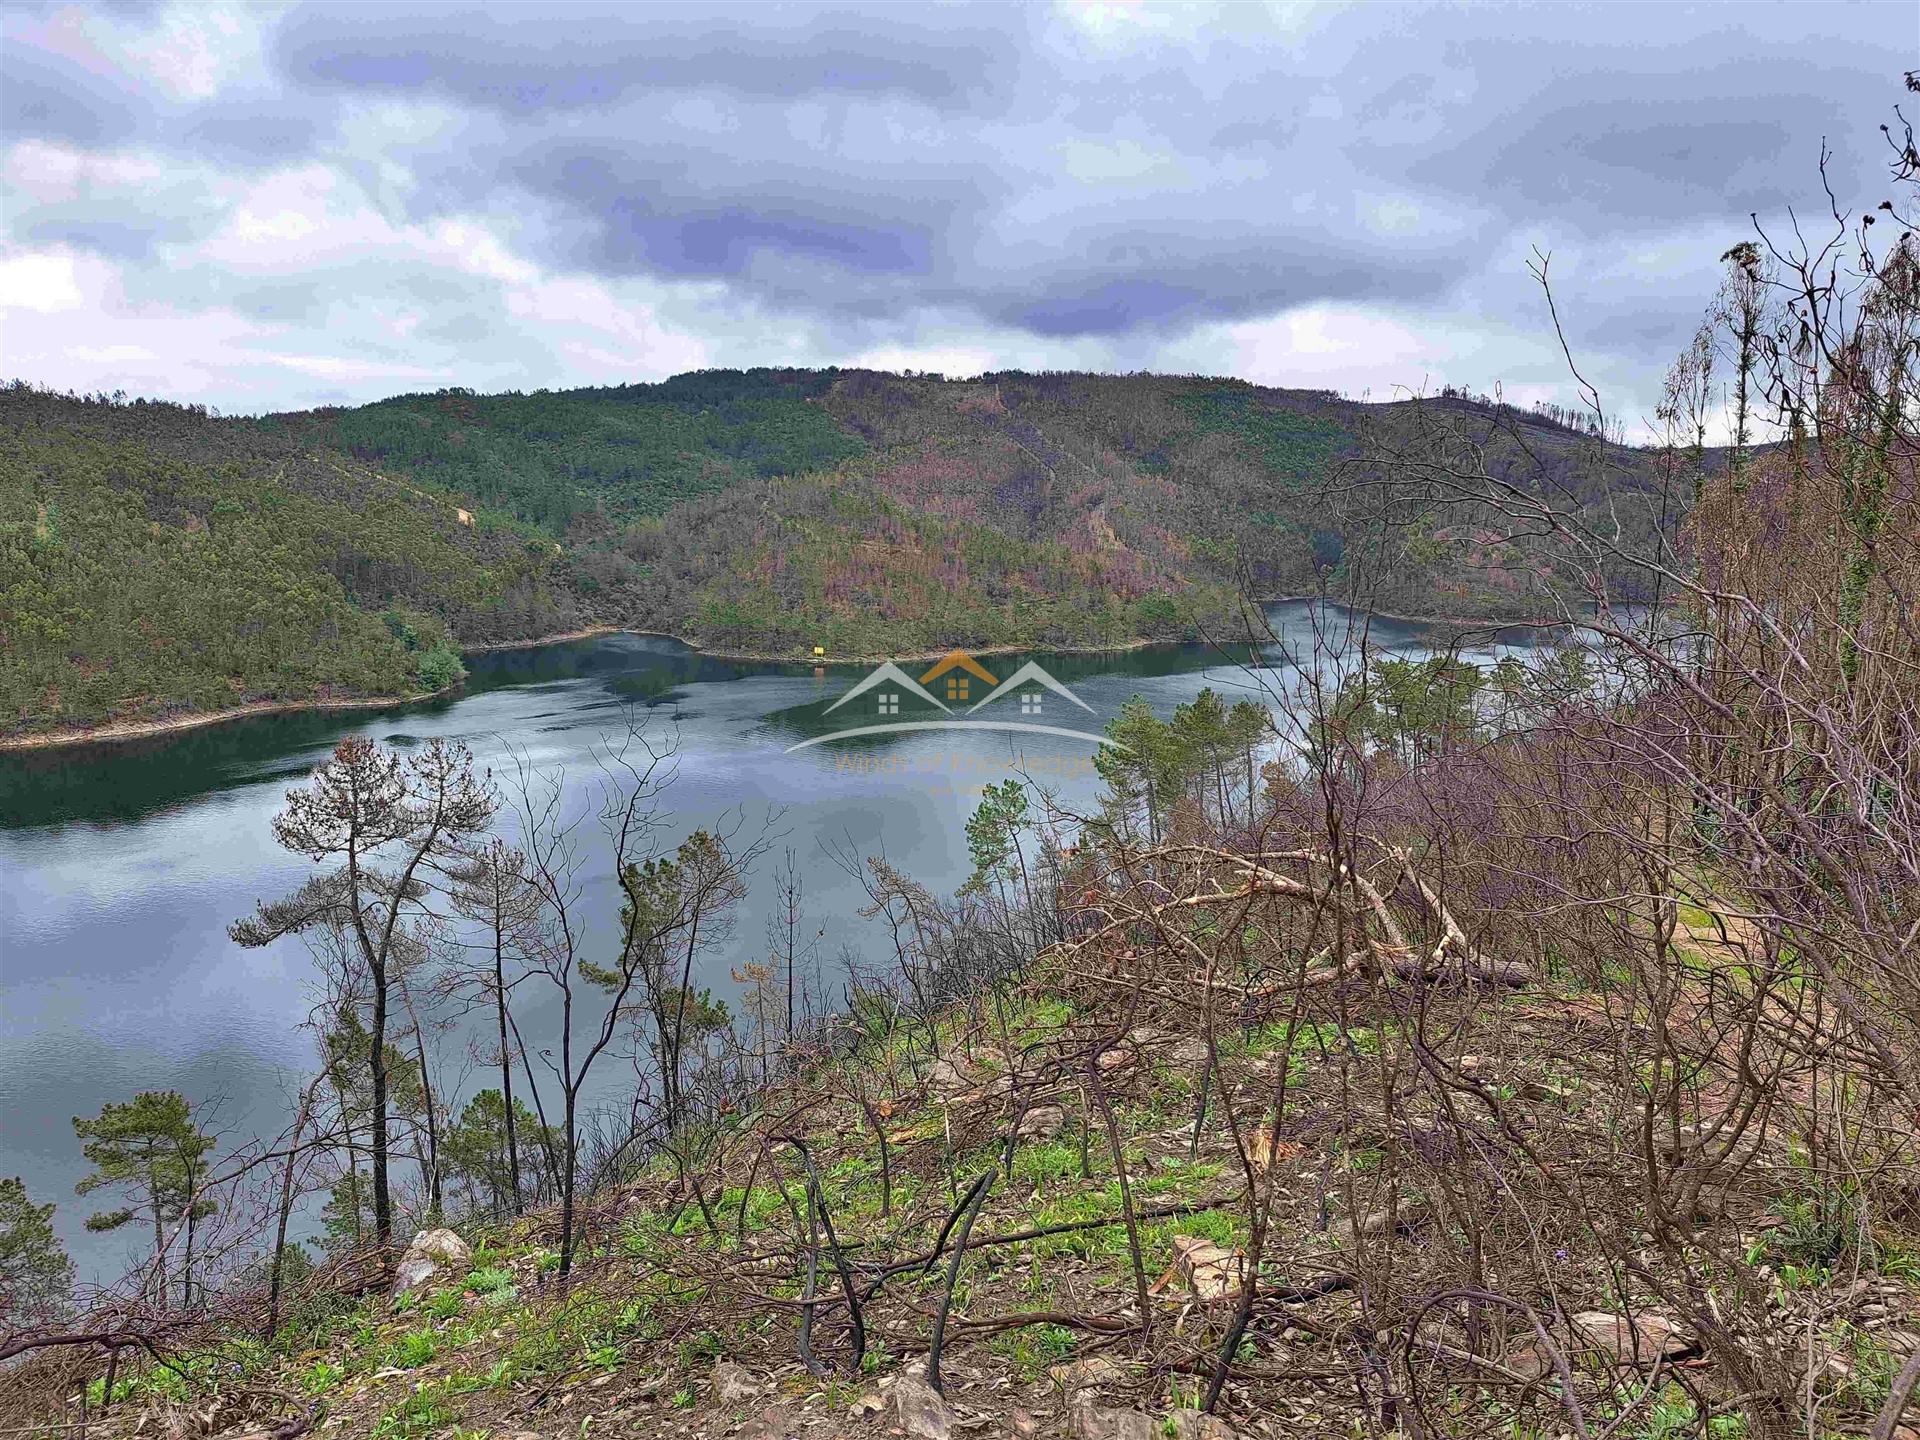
956 687
1030 703
889 702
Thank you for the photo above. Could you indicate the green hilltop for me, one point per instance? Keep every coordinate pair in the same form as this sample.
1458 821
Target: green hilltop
161 561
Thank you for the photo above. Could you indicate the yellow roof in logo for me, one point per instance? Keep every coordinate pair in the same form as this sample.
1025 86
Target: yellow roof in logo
958 659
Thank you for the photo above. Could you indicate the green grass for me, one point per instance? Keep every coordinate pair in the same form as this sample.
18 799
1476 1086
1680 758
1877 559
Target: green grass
489 1279
414 1349
421 1414
444 1305
1035 1349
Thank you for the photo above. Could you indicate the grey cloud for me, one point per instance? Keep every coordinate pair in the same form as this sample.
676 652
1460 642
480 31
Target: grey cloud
46 96
850 172
255 127
524 59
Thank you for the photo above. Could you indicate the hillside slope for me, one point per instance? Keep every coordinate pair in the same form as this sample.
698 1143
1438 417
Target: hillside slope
154 560
160 560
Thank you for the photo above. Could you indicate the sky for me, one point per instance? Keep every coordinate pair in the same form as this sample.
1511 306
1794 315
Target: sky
269 207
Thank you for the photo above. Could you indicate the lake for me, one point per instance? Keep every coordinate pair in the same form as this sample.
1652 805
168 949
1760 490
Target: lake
122 865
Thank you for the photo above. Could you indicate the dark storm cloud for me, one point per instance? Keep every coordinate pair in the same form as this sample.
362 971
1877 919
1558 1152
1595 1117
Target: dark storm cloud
531 62
845 163
1111 180
50 96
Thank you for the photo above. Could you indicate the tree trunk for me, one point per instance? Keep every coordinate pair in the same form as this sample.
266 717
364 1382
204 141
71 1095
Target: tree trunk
506 1068
382 1196
436 1198
280 1223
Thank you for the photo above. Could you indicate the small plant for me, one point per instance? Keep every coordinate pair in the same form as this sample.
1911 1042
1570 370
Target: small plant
683 1399
443 1306
320 1377
489 1280
1815 1225
420 1414
415 1348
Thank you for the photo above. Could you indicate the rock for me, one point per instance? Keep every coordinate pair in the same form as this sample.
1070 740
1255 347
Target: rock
433 1252
1198 1425
1117 1057
1345 1231
1261 1145
1640 1340
1081 1377
775 1422
1187 1054
923 1413
410 1274
733 1385
1211 1271
1527 1360
945 1078
1042 1122
1096 1422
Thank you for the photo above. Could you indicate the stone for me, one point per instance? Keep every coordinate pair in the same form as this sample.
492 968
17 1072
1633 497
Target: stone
733 1384
1211 1271
946 1078
409 1274
432 1252
923 1413
1096 1422
1042 1122
1081 1377
1640 1340
776 1422
1377 1223
1187 1054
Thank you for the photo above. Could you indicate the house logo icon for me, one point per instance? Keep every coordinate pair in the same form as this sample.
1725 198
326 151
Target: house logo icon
949 695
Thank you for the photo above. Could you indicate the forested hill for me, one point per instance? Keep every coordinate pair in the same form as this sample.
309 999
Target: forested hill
154 561
160 560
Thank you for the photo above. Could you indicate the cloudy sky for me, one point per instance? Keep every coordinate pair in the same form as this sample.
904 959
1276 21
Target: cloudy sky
263 207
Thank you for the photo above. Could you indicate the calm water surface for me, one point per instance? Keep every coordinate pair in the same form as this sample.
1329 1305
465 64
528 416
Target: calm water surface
121 866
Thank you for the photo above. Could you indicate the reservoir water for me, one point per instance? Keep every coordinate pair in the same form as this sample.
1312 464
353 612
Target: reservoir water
122 865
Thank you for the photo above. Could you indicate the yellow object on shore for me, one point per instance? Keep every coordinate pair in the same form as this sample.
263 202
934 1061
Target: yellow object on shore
819 650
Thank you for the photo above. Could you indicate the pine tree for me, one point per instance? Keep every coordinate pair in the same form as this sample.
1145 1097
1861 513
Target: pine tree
151 1150
36 1277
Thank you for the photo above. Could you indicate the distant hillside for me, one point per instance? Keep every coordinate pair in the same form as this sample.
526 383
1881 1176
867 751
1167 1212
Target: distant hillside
160 560
154 560
561 457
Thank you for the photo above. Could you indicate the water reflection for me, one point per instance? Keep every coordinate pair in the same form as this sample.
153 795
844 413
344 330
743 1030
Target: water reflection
121 866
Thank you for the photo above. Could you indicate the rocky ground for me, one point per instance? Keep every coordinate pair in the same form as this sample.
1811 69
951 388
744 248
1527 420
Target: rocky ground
683 1317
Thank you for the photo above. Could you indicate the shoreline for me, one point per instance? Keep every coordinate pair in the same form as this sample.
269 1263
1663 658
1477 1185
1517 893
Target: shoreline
116 732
